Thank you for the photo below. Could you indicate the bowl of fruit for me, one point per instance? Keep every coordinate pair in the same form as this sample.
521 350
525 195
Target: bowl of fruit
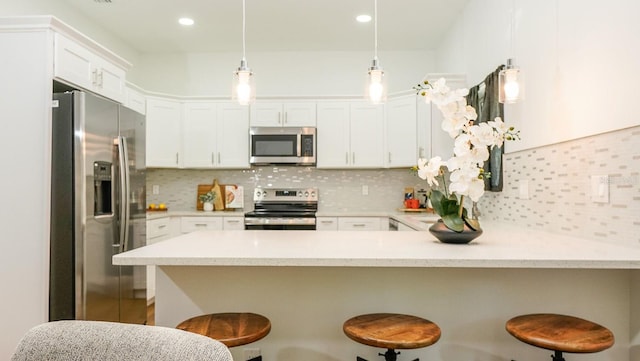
161 207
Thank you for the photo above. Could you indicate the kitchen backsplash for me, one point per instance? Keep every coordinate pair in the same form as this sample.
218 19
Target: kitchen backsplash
340 190
559 182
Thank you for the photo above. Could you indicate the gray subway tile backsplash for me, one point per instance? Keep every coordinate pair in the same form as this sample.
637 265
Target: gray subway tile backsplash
558 179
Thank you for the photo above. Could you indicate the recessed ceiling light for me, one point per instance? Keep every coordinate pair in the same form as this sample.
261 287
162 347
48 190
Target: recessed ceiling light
186 21
363 18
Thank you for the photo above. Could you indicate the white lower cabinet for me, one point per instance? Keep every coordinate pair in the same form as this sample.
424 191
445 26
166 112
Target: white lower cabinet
158 230
192 224
363 223
233 223
352 224
326 223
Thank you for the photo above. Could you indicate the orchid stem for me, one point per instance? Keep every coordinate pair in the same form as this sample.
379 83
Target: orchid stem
461 206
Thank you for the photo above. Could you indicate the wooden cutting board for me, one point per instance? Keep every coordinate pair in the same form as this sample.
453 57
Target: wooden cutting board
204 188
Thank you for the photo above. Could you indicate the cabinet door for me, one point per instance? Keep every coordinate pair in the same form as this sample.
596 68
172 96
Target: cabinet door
367 128
233 224
110 80
78 65
360 223
163 133
400 132
424 129
326 224
192 224
232 136
74 63
333 135
266 114
135 101
301 114
199 134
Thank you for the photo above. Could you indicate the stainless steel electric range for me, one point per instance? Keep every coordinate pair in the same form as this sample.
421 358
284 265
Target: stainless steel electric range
283 209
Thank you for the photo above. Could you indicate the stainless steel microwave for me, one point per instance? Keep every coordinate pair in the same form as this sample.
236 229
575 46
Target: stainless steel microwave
282 145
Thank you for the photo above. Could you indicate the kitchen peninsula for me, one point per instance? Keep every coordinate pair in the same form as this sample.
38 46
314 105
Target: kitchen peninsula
308 283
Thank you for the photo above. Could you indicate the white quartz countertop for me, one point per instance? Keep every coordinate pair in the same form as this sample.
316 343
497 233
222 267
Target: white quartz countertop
501 246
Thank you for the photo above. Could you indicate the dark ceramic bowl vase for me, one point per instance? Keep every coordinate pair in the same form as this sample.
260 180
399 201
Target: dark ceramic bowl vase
445 235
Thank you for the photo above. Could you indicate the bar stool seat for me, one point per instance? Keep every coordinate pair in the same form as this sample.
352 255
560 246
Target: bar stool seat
391 331
560 333
232 329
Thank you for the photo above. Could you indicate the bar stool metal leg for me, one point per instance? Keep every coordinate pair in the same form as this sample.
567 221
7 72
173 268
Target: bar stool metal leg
557 356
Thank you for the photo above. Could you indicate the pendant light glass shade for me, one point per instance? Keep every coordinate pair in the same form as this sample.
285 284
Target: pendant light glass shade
511 84
377 87
243 86
376 90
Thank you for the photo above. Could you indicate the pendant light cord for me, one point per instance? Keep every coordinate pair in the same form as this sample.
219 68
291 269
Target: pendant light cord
375 28
244 30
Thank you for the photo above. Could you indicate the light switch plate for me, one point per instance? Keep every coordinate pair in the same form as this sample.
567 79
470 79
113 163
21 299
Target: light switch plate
600 188
156 189
365 190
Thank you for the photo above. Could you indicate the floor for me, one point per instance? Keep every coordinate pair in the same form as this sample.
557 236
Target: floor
151 313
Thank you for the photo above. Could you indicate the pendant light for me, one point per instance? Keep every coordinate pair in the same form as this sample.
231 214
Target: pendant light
376 87
243 86
511 82
511 78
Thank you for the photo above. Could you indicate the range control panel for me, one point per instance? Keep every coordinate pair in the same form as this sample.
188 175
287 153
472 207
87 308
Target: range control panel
285 194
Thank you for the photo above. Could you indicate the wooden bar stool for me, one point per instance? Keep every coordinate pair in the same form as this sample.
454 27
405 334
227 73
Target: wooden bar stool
232 329
560 333
391 331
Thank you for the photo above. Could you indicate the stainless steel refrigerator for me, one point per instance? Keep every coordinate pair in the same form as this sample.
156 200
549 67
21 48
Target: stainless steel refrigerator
97 209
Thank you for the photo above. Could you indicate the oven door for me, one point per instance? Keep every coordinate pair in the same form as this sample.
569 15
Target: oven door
280 223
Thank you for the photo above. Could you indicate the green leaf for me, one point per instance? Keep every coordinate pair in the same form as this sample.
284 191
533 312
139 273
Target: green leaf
453 222
436 198
472 223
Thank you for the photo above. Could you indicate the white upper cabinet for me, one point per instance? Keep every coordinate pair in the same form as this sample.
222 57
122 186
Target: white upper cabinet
232 136
283 114
400 131
164 119
333 135
350 135
199 134
215 135
135 100
78 65
432 140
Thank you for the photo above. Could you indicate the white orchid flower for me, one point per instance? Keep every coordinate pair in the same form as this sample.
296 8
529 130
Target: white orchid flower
429 170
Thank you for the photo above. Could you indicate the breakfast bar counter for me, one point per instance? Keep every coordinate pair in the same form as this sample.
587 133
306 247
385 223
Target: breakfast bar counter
308 283
500 246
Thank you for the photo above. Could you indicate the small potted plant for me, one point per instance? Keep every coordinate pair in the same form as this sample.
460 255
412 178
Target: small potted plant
207 200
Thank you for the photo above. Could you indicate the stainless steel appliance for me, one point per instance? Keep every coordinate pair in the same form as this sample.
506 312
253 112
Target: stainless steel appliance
97 209
283 209
282 145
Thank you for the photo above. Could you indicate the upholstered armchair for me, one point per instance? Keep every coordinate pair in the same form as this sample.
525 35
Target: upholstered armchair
110 341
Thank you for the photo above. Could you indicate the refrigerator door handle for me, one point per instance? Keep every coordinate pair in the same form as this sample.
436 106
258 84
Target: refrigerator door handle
123 158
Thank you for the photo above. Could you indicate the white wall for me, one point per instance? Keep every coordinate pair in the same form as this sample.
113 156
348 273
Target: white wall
580 66
24 216
278 73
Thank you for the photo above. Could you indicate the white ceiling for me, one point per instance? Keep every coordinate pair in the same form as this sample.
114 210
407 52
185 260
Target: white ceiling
273 25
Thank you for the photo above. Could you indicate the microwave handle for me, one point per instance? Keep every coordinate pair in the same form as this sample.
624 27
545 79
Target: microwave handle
299 145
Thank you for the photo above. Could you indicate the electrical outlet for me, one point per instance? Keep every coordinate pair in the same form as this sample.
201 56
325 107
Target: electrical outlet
600 188
155 189
365 190
523 189
252 354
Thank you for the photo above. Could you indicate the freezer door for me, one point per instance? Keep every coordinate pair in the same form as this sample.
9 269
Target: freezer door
97 158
